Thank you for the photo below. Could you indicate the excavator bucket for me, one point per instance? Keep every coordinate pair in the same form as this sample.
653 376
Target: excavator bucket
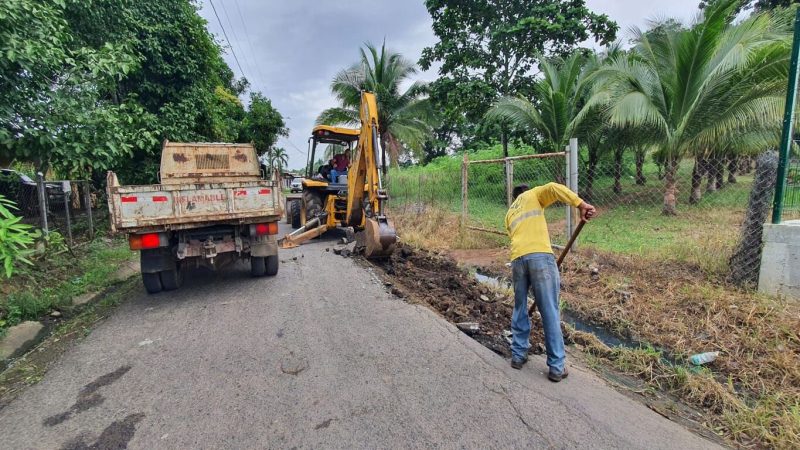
379 238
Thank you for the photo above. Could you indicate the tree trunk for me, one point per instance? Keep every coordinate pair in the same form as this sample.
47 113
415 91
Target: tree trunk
733 166
745 263
504 142
720 172
618 170
711 173
640 179
670 187
697 180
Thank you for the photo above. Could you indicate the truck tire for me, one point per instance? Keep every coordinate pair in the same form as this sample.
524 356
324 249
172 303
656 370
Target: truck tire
152 282
296 205
272 265
171 279
258 267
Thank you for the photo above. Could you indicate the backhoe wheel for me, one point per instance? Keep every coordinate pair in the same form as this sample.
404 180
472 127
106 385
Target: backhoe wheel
171 279
152 282
271 264
296 205
258 267
313 204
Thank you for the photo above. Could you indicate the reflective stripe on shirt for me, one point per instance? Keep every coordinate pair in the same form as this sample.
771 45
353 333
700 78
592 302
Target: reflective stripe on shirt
526 215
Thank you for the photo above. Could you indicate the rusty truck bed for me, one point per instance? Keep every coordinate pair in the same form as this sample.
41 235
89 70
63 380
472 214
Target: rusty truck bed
191 205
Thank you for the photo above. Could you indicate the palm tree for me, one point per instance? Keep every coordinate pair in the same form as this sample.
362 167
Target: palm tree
404 118
701 88
279 159
560 97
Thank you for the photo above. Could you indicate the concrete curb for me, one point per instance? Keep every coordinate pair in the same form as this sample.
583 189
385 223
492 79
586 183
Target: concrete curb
23 337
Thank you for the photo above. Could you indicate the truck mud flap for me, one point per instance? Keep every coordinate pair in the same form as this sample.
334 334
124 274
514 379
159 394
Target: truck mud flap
264 246
157 260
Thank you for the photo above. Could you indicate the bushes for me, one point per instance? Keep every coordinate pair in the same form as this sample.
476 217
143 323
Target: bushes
15 238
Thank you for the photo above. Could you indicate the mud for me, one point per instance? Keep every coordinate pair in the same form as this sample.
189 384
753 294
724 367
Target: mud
437 281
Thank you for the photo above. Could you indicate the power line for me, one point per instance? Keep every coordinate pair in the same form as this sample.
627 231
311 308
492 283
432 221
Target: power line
227 16
253 56
226 38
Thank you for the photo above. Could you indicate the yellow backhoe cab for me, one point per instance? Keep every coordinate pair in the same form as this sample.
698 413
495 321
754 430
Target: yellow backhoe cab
356 199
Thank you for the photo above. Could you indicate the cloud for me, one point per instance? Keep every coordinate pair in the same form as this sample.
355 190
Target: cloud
290 51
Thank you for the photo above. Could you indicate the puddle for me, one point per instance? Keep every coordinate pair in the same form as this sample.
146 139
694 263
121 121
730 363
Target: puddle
606 336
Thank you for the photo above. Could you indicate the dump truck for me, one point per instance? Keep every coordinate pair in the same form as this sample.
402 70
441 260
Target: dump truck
213 206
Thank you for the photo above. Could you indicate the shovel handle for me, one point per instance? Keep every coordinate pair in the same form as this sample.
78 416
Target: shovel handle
562 255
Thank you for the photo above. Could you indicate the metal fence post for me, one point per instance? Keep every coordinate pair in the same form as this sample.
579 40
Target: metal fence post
464 198
40 190
568 208
87 200
66 189
509 180
572 156
788 116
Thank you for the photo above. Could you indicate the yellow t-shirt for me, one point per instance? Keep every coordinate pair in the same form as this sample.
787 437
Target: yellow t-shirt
525 222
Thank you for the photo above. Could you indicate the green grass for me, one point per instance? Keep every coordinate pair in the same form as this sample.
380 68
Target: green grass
57 279
629 222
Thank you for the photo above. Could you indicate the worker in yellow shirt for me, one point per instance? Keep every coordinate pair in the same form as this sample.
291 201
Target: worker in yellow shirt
534 270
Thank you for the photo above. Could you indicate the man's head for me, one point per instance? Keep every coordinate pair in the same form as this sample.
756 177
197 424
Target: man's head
347 153
519 190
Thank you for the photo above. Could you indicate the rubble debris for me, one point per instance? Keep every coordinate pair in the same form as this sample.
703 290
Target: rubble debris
469 327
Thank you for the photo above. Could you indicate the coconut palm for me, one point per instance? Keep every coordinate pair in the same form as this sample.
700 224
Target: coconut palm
404 118
278 159
702 87
558 111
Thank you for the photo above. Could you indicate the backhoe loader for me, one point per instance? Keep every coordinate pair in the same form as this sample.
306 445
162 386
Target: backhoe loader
358 202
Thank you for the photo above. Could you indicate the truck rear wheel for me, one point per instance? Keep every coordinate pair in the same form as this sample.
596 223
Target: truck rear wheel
152 282
171 279
271 264
258 267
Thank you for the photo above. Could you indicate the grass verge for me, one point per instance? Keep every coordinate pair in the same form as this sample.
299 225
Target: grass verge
751 393
58 277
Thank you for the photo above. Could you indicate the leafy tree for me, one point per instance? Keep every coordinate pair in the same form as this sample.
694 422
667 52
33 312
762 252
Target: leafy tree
754 5
263 124
53 109
489 48
404 117
702 87
17 237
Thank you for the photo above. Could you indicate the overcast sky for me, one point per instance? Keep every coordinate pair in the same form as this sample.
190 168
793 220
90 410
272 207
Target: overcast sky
290 50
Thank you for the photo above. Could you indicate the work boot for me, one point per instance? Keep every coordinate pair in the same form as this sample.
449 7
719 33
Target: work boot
555 377
518 363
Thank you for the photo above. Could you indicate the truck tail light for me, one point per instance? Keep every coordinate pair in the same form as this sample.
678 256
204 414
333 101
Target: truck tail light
263 229
145 241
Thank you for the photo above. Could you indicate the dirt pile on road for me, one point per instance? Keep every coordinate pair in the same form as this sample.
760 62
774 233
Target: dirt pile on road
437 281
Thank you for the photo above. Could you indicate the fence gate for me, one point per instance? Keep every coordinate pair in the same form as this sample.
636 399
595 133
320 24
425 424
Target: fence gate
486 187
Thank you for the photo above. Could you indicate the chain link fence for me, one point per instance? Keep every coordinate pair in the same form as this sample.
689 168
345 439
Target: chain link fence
721 203
791 196
67 209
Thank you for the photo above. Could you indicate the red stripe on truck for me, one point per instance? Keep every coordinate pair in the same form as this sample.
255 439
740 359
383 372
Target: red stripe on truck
159 198
239 193
128 199
265 192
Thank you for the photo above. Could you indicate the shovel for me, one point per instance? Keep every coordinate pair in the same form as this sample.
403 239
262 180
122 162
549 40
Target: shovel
562 255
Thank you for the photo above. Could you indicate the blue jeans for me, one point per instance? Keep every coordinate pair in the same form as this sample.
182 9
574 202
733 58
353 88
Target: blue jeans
537 273
334 176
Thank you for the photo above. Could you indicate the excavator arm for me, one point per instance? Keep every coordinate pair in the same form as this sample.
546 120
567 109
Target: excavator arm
365 193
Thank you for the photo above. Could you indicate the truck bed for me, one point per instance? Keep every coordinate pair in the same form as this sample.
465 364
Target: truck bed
182 206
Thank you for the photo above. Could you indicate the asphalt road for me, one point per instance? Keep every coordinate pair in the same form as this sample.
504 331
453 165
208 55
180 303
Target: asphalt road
320 356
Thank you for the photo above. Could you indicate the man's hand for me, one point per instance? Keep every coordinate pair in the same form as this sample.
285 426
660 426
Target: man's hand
587 211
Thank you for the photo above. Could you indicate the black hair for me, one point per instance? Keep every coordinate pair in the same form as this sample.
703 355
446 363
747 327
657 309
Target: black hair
519 190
